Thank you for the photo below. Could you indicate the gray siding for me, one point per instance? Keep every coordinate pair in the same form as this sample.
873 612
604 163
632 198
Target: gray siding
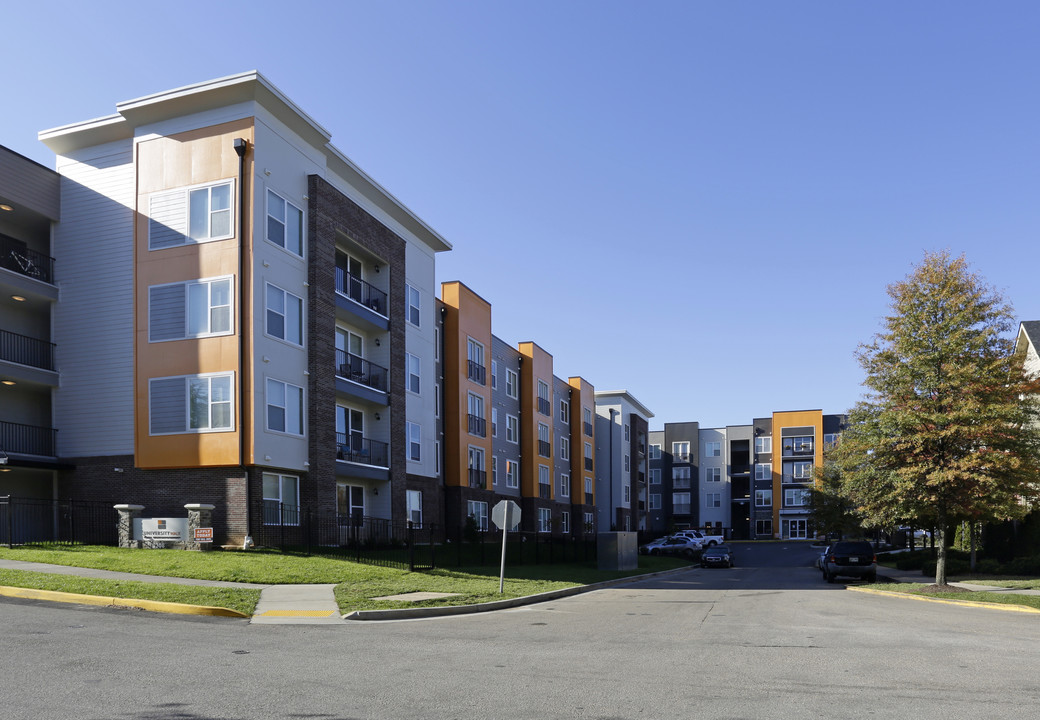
166 306
29 184
94 322
167 219
167 405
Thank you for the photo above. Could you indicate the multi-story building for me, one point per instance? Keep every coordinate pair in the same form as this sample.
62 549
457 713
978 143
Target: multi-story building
29 290
246 318
622 434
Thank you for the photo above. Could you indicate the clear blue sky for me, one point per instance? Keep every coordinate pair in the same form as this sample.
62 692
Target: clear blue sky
710 197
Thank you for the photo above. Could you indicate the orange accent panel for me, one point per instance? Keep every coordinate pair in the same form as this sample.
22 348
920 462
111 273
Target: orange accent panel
796 418
584 396
537 365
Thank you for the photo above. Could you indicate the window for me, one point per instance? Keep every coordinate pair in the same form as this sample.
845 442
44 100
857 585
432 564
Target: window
799 445
414 432
477 476
712 474
281 499
588 485
796 497
494 470
437 343
802 470
797 529
284 407
681 503
764 444
512 429
477 424
764 471
627 494
588 456
655 501
494 374
544 520
512 386
586 417
284 315
478 511
628 465
201 308
414 507
655 476
830 440
565 522
565 448
544 404
655 452
681 477
437 456
713 500
436 400
191 403
190 215
763 498
494 422
543 474
414 305
512 474
544 443
284 224
712 449
590 523
681 451
565 412
628 437
350 502
475 370
764 527
565 485
413 370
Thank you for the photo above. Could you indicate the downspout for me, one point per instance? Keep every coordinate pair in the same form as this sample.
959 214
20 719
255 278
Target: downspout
613 510
241 146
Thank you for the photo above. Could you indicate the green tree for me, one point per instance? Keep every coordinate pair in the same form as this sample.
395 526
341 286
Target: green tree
833 511
947 429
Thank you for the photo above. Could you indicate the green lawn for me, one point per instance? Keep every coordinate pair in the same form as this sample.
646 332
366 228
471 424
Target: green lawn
356 584
1032 601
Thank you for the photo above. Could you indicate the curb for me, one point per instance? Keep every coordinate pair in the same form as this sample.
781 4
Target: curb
106 601
946 601
448 610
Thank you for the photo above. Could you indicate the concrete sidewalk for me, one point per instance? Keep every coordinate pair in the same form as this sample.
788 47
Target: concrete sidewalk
915 576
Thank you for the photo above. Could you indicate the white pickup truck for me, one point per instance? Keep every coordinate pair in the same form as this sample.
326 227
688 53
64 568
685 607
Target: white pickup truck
702 539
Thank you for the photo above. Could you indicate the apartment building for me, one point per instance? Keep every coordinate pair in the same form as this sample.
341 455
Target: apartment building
29 209
510 426
622 433
246 318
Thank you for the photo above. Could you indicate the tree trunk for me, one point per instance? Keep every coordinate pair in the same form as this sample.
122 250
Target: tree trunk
972 526
940 558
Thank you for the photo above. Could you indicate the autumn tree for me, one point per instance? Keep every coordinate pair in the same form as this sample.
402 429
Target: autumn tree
947 429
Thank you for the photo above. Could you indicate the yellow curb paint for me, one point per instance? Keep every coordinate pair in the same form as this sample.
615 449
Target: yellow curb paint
105 601
947 601
297 613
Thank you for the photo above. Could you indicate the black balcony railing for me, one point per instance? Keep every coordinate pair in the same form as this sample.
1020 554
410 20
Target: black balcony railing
544 448
26 350
28 439
544 406
545 491
477 478
476 372
360 291
477 425
17 257
358 449
588 429
588 463
365 372
683 509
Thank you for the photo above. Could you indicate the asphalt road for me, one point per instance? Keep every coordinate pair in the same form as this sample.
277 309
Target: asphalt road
767 639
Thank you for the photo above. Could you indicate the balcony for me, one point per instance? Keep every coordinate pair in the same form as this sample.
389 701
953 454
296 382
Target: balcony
589 499
587 427
24 350
545 491
476 425
588 463
17 257
681 457
797 447
681 484
476 372
361 450
477 478
544 448
357 369
28 439
361 292
544 407
683 509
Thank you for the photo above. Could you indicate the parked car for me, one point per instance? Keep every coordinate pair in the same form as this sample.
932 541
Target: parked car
850 558
645 549
677 545
717 556
823 556
919 535
702 539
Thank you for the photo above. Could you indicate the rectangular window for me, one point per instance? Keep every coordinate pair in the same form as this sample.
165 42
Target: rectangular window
796 497
681 503
764 471
478 511
281 499
712 474
544 520
628 466
284 224
565 485
681 451
628 437
475 369
712 449
494 422
412 312
201 308
190 215
590 523
544 443
800 445
763 498
764 527
713 500
763 444
543 474
414 431
588 456
284 407
544 405
494 470
413 369
414 507
512 429
655 452
284 315
436 400
191 403
588 485
627 494
681 477
565 448
350 503
655 476
655 501
437 456
565 412
494 374
565 522
476 422
512 474
512 384
802 470
830 440
586 417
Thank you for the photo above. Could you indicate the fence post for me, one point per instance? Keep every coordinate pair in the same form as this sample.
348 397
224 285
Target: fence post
433 563
411 547
10 520
281 526
72 523
308 531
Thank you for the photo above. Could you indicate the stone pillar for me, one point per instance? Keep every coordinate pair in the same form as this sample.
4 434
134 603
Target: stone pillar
127 513
200 515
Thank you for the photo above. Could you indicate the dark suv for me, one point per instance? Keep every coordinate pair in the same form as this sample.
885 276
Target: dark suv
851 558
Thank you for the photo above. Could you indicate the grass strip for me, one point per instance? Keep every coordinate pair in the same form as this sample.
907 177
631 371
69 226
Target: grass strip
1000 598
242 600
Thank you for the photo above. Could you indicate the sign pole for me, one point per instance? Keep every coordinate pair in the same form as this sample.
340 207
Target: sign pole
502 570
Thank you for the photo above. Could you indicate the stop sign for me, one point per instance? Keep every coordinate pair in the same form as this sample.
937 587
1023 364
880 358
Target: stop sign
505 514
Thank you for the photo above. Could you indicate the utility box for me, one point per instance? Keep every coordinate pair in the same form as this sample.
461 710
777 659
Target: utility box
617 550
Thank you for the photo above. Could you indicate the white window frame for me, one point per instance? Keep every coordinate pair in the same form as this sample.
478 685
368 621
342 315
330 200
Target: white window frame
512 429
681 450
565 485
628 433
830 440
712 474
512 384
628 463
565 522
764 445
802 470
414 434
655 476
210 307
763 471
655 451
413 504
654 501
565 412
763 498
512 474
627 493
793 494
284 313
413 369
413 310
187 428
713 500
544 477
494 374
565 448
281 480
588 485
494 470
494 422
284 221
544 520
478 510
713 448
271 387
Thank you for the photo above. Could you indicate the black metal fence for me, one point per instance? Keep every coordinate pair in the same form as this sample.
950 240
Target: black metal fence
477 548
28 521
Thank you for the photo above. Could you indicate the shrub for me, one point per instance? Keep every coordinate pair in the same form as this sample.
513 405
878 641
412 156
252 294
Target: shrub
987 566
954 566
1023 566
